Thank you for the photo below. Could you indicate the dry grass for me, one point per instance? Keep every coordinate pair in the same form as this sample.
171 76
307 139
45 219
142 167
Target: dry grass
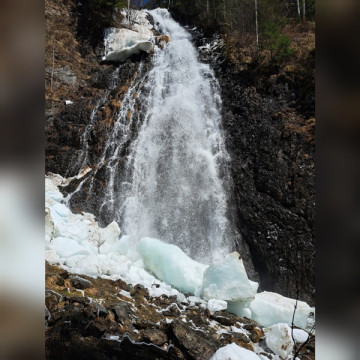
306 128
62 49
243 52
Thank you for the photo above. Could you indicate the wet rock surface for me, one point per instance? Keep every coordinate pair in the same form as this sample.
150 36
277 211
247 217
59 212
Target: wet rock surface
80 283
76 133
269 127
113 319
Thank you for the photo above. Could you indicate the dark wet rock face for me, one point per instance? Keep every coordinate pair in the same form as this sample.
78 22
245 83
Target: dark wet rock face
273 174
198 346
269 129
77 134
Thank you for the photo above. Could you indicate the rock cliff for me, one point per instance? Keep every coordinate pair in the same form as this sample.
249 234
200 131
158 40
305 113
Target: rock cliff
268 119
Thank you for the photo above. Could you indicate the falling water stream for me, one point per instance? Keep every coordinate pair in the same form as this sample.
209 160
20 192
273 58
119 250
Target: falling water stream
173 181
177 163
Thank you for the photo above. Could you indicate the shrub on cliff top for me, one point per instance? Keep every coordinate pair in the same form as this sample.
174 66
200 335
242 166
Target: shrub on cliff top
107 3
275 41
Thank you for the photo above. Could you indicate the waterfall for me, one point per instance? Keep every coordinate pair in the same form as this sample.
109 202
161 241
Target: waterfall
177 166
107 162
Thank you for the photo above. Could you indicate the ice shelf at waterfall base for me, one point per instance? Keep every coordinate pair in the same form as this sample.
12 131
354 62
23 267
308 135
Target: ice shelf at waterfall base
78 244
121 44
170 264
176 192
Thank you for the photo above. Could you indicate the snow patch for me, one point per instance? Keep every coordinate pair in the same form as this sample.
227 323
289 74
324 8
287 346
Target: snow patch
120 44
124 53
300 336
216 305
278 339
234 352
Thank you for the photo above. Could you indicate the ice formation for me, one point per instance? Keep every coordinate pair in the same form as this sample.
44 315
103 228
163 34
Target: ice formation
227 280
77 243
254 285
122 43
113 243
170 264
216 305
124 53
80 245
239 308
278 339
300 336
234 352
271 308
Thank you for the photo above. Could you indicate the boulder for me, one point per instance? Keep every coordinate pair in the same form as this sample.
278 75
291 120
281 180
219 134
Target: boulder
79 282
154 336
123 312
200 347
162 40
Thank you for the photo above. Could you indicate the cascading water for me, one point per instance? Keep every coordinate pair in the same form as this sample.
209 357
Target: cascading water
176 190
108 160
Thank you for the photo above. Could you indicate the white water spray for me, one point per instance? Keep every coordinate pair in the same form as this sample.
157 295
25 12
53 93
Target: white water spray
177 193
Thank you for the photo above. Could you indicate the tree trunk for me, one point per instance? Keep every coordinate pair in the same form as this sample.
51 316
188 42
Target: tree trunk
214 9
304 11
298 8
256 24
